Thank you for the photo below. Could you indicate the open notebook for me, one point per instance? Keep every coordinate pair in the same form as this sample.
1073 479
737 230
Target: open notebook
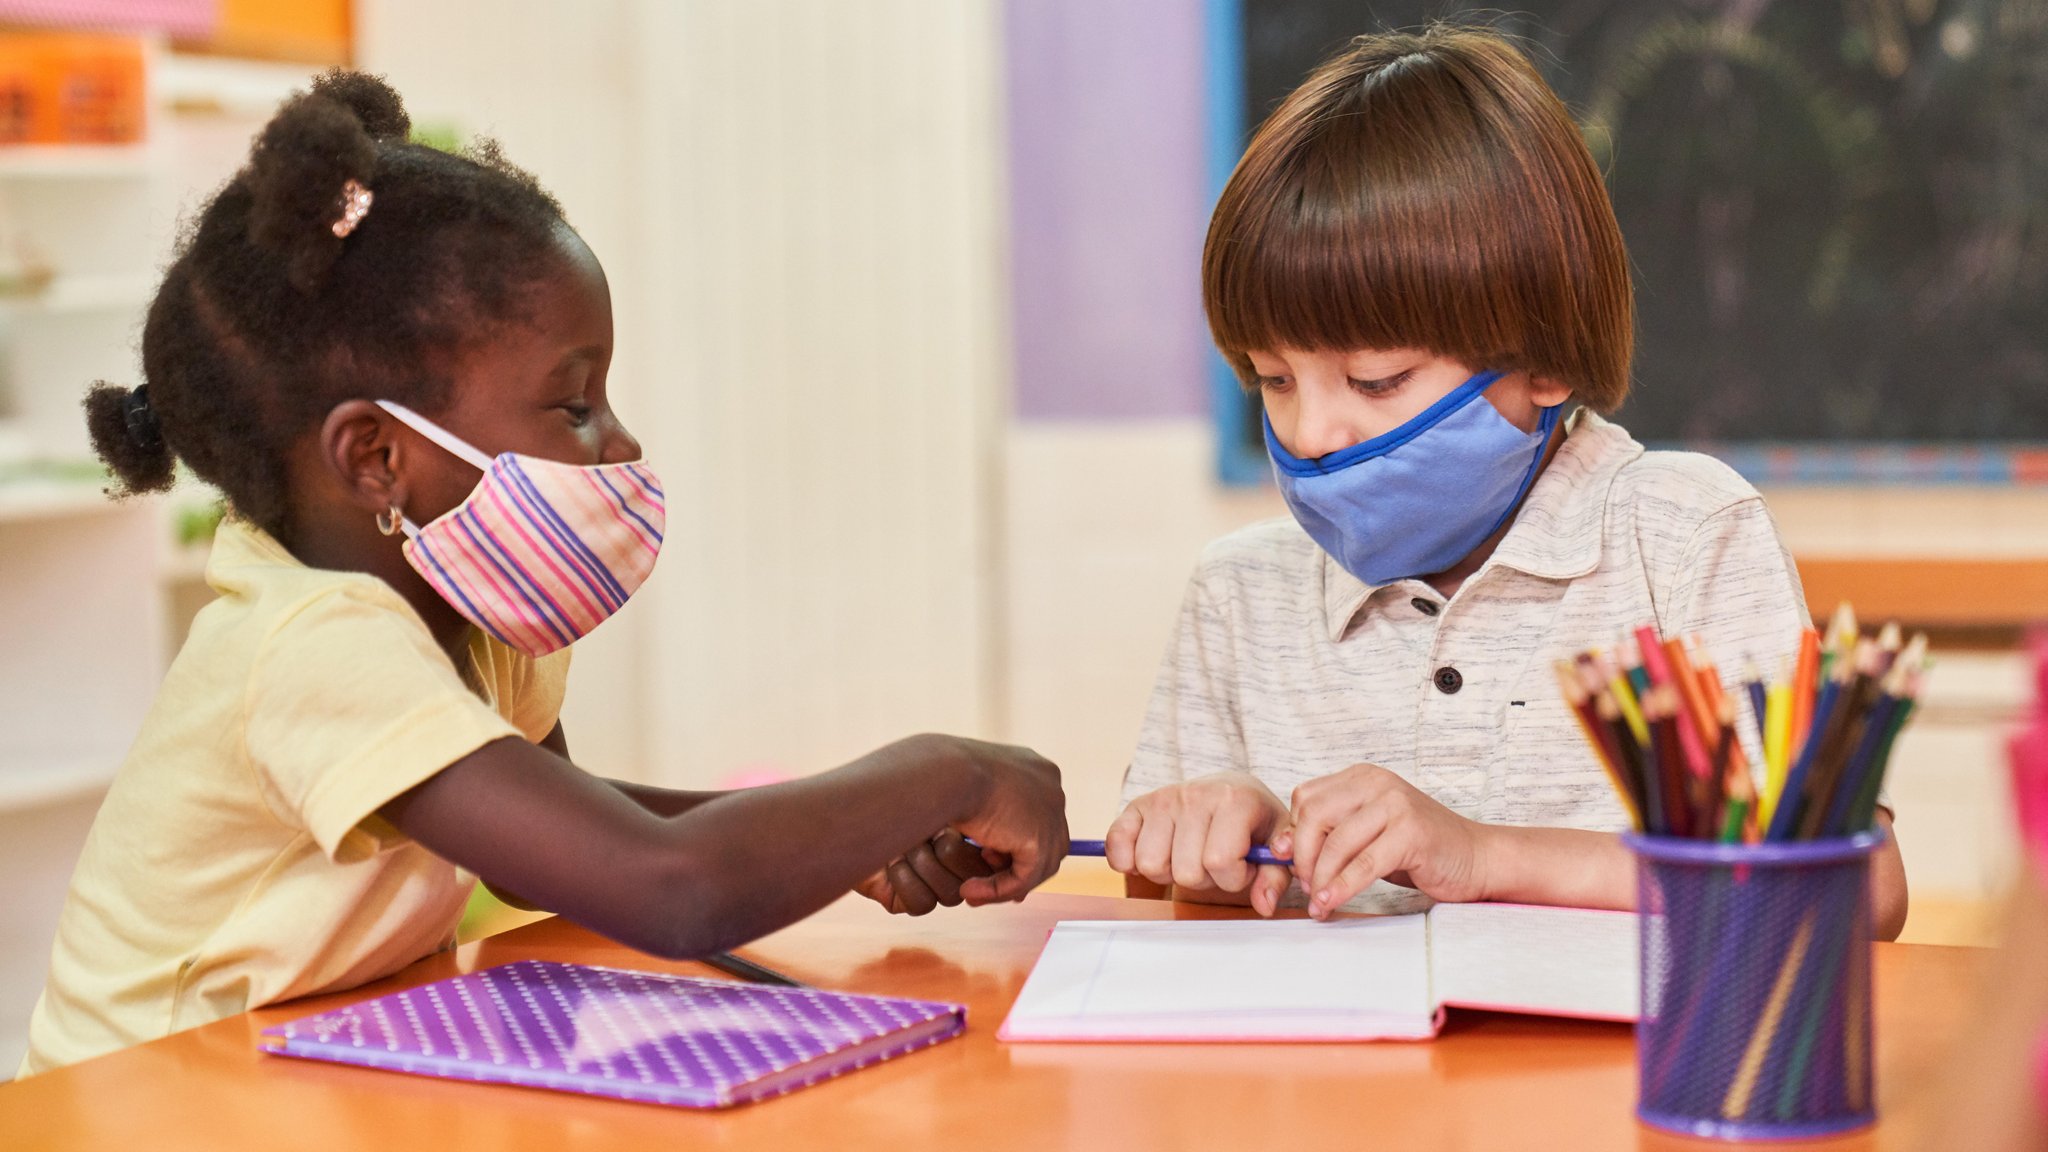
611 1032
1377 978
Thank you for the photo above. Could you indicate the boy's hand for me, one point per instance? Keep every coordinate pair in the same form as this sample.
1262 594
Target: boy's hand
1195 837
930 875
1365 824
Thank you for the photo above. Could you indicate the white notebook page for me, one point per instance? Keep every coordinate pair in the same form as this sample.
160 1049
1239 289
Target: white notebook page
1228 980
1556 961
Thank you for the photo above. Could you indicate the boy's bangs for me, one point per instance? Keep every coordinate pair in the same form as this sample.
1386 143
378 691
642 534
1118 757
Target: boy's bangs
1320 262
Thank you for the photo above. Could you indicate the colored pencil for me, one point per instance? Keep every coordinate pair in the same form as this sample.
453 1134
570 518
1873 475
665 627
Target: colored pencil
1759 700
1695 722
1666 730
1777 737
1631 708
1805 681
1626 768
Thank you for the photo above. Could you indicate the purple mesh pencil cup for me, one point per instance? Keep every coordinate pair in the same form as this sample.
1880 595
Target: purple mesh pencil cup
1755 1018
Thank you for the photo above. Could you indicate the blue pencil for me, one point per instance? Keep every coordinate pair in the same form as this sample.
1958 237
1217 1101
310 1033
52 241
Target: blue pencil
1850 785
1785 817
1258 855
1757 696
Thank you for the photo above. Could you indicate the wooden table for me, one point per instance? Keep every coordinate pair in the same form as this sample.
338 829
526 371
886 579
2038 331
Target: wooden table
1490 1082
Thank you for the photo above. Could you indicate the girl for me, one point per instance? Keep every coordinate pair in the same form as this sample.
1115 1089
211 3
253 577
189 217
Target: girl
1416 266
352 330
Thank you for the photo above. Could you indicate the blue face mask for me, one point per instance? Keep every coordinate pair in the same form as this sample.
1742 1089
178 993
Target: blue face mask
1420 498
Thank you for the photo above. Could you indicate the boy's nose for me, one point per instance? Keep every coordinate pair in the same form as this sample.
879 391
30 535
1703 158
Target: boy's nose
1321 428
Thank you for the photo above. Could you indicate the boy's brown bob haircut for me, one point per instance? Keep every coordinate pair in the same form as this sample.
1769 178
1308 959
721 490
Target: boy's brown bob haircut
1424 190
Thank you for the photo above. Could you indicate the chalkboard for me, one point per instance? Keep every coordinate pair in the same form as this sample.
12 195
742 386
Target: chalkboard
1837 212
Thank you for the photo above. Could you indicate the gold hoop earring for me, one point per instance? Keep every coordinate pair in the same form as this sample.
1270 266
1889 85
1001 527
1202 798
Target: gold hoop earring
389 522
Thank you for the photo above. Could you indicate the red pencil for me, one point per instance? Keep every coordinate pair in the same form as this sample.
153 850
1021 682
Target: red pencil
1695 721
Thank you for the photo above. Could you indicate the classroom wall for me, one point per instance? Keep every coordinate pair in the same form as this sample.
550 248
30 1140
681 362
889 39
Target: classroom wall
1107 209
798 203
1109 488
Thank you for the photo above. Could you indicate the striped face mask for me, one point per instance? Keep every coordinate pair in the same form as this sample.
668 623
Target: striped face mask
541 552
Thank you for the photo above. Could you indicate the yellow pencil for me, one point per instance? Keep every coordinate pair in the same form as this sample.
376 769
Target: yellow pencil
1777 747
1736 1104
1631 711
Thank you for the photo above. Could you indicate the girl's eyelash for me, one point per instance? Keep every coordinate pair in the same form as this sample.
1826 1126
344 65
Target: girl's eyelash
580 413
1272 383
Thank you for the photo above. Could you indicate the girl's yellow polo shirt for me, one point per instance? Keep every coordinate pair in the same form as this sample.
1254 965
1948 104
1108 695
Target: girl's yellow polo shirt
239 858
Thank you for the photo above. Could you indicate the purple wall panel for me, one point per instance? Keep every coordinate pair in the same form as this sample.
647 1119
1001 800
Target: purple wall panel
1107 208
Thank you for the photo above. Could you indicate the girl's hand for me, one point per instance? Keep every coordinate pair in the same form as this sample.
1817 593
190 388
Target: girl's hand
930 875
1195 837
1365 824
1020 822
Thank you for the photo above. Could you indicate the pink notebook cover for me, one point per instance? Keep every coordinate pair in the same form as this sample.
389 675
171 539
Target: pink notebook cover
678 1040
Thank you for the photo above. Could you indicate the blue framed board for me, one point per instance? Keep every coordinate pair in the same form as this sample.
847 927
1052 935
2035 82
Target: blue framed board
1841 248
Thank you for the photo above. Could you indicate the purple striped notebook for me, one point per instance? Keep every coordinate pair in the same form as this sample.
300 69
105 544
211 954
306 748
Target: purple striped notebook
611 1032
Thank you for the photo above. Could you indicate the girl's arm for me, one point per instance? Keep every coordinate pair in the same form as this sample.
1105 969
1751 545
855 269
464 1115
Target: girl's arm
660 801
927 877
731 866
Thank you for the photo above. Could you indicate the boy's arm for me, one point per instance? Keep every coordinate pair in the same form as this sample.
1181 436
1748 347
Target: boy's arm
1594 870
1560 866
1366 824
1887 884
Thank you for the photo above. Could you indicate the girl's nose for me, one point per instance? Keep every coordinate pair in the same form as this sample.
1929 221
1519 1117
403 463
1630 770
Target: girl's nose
619 446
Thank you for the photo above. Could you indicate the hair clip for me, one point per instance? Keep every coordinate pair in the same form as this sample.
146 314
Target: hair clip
141 419
355 204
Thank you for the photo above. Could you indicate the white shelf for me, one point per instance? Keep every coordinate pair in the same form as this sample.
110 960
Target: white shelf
186 565
24 500
77 161
219 84
27 782
89 292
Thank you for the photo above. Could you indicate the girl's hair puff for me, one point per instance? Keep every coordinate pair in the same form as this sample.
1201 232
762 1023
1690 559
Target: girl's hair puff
1424 190
266 319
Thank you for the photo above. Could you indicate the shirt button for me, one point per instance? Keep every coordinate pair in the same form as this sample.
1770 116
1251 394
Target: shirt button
1448 681
1425 606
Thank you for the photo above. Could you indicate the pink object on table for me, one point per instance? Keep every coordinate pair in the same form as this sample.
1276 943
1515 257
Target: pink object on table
754 776
2038 643
2029 751
187 18
2030 790
2030 804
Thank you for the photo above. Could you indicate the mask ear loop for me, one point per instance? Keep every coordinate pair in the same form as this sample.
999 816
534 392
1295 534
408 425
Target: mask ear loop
439 435
392 522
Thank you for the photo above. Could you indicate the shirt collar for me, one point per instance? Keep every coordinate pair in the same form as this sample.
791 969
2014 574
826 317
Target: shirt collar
1557 534
237 543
